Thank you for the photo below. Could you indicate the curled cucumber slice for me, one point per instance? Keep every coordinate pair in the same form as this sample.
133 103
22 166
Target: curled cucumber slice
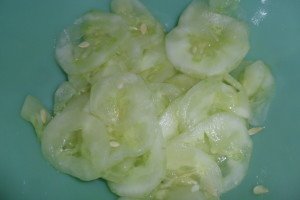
258 81
75 142
194 176
225 138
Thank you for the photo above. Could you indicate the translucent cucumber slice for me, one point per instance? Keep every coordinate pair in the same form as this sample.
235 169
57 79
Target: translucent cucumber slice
194 176
226 7
258 82
146 174
120 170
142 24
125 104
206 43
144 52
35 112
170 121
224 136
163 95
89 42
64 93
159 71
208 97
79 82
182 81
75 142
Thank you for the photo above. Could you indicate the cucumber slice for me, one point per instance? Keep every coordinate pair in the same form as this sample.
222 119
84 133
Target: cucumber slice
258 82
225 137
144 27
208 97
110 68
147 173
121 102
76 85
80 83
75 142
64 93
182 81
35 112
88 43
169 121
144 51
119 171
159 71
194 176
206 43
226 7
163 95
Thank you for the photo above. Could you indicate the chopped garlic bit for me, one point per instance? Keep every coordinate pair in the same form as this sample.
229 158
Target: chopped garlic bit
114 144
195 188
255 130
84 44
143 29
260 189
43 115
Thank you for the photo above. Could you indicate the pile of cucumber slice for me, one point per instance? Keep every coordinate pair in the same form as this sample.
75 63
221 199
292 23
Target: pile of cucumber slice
160 116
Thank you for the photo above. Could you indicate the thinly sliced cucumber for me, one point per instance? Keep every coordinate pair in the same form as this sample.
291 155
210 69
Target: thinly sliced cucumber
182 81
118 172
79 82
110 68
121 101
147 172
224 136
258 82
169 120
159 71
142 24
163 94
208 97
194 176
88 43
206 43
64 93
226 7
35 112
75 142
144 51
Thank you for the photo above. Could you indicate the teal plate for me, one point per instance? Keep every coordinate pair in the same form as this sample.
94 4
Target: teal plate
28 30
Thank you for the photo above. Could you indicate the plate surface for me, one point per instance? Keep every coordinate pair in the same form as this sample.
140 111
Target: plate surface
28 30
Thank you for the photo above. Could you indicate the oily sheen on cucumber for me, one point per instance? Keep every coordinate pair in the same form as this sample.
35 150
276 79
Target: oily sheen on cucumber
158 115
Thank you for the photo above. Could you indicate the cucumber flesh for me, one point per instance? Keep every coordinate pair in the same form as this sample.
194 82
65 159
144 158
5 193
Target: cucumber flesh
88 43
258 81
147 173
195 174
75 142
224 137
121 102
36 113
206 43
